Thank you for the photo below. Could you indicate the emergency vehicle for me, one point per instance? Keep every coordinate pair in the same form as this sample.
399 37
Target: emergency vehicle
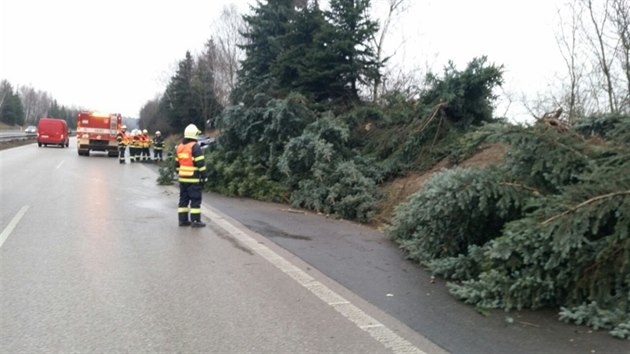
97 132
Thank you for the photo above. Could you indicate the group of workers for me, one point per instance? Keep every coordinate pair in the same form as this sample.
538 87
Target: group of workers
140 145
191 167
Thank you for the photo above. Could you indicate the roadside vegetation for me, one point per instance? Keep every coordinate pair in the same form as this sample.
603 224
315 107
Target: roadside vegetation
305 116
543 224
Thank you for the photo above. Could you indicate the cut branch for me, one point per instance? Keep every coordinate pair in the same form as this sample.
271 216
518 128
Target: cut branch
592 200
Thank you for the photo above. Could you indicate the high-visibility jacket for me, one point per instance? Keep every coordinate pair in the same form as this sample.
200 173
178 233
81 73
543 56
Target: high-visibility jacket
122 139
191 162
145 141
135 142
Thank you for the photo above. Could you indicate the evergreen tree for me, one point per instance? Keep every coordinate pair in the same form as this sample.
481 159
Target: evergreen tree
548 227
267 23
54 111
179 101
348 59
467 95
297 68
11 111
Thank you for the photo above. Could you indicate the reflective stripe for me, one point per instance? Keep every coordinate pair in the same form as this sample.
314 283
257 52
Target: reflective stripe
195 211
189 180
187 171
202 168
198 158
186 164
97 130
182 210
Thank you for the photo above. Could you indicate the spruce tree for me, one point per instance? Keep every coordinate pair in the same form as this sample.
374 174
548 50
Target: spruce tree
468 95
548 227
12 111
297 68
267 23
348 59
179 101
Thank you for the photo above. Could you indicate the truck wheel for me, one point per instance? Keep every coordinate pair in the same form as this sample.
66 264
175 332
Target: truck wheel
39 144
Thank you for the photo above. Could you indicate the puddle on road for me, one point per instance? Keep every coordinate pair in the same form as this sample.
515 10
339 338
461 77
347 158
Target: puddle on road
234 242
270 231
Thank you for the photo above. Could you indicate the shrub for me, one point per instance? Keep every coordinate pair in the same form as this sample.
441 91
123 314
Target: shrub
456 209
341 190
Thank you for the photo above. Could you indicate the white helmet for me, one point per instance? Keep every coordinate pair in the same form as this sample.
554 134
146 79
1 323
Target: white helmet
144 131
124 127
157 132
191 132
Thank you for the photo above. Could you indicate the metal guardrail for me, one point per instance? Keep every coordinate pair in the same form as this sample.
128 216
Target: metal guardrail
16 136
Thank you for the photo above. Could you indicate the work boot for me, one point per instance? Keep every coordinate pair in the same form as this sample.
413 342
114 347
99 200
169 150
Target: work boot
197 224
184 223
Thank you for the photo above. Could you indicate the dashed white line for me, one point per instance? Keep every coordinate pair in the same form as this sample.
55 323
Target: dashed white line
16 219
61 163
362 320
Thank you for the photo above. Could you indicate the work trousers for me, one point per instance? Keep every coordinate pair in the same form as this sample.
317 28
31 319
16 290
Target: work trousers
157 154
121 153
146 154
189 202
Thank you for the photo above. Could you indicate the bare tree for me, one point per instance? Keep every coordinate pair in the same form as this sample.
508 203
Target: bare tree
29 103
592 37
226 39
620 15
394 8
601 47
567 37
207 68
36 103
407 82
152 117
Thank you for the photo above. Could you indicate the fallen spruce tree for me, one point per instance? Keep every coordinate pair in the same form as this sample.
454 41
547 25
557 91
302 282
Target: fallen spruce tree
549 227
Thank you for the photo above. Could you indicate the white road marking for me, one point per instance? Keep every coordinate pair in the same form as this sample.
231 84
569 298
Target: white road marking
16 219
365 322
61 163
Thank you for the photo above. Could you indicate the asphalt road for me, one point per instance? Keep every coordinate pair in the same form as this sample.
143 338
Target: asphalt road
368 264
92 260
97 263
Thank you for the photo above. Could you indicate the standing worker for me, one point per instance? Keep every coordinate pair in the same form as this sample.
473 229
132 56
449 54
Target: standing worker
122 143
146 145
192 173
134 146
158 145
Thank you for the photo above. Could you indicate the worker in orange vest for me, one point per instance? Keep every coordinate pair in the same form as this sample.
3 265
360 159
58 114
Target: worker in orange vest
122 143
145 140
191 169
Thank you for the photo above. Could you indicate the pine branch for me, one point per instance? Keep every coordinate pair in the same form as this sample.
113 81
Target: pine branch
592 200
547 140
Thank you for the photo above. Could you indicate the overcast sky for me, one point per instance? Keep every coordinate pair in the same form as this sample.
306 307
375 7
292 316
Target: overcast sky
115 55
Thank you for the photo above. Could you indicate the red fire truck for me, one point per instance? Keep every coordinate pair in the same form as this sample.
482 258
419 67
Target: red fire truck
97 132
